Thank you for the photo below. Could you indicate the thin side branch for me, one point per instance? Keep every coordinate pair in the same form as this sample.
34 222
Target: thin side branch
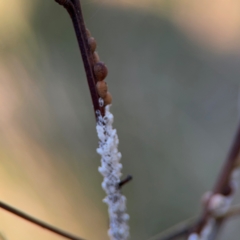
38 222
182 229
125 181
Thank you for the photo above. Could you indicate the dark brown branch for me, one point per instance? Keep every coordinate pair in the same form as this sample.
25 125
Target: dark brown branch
223 183
74 9
38 222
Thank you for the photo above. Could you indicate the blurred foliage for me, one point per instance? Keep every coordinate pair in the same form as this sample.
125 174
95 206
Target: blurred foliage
175 87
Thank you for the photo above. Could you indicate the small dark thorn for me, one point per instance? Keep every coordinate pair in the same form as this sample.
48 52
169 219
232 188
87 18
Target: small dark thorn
124 181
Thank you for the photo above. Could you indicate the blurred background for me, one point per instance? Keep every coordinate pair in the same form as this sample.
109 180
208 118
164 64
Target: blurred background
174 75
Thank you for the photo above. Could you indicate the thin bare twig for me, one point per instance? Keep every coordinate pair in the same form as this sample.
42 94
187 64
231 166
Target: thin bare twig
181 229
38 222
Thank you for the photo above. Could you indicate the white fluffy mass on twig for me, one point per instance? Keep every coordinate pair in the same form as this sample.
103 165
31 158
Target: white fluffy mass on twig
111 170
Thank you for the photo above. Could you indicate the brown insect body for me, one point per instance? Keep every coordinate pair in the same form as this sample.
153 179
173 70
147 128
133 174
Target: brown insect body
102 89
100 70
92 43
108 99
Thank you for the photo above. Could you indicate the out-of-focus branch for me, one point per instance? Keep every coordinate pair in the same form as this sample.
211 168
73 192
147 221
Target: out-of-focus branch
216 205
182 229
223 184
37 222
2 237
223 191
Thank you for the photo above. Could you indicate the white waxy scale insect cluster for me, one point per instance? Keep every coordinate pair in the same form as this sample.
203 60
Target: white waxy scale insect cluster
111 171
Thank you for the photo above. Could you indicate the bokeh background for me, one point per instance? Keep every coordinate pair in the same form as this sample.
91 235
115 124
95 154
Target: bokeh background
174 75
